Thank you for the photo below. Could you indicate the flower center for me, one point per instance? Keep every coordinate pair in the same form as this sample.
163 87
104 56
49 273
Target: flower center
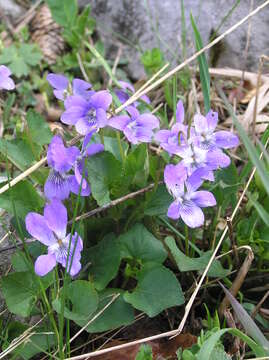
57 178
91 117
132 125
173 140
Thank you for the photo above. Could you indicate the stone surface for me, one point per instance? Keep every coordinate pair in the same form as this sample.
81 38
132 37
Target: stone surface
146 24
11 8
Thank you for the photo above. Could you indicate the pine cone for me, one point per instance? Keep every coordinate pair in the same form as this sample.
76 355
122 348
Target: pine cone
47 34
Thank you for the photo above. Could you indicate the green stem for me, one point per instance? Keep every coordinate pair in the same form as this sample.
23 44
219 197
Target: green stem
175 97
186 240
120 147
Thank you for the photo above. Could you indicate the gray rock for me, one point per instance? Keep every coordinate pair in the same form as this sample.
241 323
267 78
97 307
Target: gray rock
144 24
11 8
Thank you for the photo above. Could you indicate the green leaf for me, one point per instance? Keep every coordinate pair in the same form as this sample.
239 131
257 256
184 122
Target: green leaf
248 323
208 346
152 60
252 152
111 145
39 342
30 54
25 199
158 202
260 209
20 262
105 261
203 66
71 11
119 313
136 167
185 263
138 243
103 170
39 129
144 353
218 353
20 58
64 12
21 290
157 290
18 152
84 301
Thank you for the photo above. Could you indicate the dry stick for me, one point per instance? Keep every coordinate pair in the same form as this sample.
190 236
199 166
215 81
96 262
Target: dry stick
17 341
238 281
95 317
139 93
114 203
259 305
23 175
189 305
91 320
193 57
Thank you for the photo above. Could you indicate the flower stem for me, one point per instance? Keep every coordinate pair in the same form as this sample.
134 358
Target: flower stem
120 147
186 240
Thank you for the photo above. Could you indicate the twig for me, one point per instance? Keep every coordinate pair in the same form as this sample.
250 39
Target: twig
114 203
23 175
95 317
259 305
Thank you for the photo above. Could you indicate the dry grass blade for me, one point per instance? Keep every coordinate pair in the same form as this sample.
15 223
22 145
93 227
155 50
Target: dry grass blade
237 74
24 175
95 317
21 339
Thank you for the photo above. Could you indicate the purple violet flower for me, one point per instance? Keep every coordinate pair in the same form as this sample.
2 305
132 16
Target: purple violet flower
6 82
209 138
77 180
187 202
123 94
62 89
61 160
169 139
137 128
194 157
87 116
50 230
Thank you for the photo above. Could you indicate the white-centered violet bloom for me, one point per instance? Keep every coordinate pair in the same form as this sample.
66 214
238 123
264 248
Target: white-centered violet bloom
188 201
208 138
50 230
